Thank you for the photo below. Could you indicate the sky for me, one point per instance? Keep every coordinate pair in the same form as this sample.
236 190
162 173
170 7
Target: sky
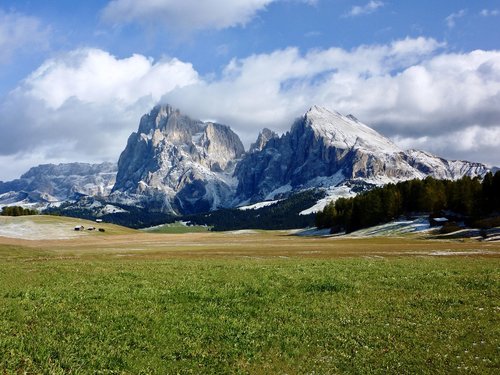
76 76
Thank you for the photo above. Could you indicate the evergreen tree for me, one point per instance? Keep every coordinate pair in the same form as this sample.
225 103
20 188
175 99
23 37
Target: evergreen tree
467 196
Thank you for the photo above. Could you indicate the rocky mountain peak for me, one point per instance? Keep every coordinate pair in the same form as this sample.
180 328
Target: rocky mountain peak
69 169
343 132
220 145
264 136
325 149
317 111
170 122
178 164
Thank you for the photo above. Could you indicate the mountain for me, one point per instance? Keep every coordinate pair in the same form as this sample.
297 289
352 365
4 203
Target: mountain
176 164
431 165
50 183
264 136
325 149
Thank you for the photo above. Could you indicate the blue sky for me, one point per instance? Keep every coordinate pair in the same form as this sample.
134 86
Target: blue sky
75 77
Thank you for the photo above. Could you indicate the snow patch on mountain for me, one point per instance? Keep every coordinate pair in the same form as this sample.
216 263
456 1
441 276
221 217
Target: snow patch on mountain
346 131
259 205
279 191
333 193
395 228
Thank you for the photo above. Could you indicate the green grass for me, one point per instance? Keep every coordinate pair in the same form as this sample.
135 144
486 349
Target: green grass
122 315
177 228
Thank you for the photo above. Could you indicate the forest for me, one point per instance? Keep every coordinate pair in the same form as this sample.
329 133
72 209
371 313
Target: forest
471 199
284 214
17 211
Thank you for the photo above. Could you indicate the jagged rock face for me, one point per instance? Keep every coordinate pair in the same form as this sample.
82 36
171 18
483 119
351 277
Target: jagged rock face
178 165
53 183
264 136
437 167
324 149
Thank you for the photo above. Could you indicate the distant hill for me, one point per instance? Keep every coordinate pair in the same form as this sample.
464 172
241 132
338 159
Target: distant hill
51 184
46 227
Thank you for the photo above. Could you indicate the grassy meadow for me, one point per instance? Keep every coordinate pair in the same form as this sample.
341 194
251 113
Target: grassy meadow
248 302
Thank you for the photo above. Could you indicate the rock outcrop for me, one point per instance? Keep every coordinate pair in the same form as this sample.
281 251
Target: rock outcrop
178 165
264 136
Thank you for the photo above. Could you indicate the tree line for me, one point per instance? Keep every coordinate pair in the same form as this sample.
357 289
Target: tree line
472 198
17 211
281 215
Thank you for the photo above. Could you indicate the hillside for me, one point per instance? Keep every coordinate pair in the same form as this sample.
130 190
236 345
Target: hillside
463 202
44 227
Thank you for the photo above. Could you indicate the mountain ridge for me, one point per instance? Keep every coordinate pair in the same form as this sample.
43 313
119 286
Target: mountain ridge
326 149
48 184
178 165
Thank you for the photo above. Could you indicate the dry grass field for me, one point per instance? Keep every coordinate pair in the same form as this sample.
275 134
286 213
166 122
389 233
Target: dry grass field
125 301
119 242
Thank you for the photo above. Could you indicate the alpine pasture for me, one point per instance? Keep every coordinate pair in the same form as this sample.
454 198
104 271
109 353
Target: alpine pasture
258 302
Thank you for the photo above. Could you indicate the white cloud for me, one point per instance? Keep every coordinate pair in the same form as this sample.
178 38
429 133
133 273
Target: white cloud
452 18
474 142
19 32
186 15
370 7
95 76
407 89
271 89
489 12
83 105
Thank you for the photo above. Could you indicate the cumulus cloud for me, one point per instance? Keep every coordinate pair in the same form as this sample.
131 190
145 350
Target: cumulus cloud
271 89
95 76
82 105
475 142
408 90
186 15
359 10
453 17
19 32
